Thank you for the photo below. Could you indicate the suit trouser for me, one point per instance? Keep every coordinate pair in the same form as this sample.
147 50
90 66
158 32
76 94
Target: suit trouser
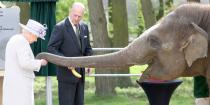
71 93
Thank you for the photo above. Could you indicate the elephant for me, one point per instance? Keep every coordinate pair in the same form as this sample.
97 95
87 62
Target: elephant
176 46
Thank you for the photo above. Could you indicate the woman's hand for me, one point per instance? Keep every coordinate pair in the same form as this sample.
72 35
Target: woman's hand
43 62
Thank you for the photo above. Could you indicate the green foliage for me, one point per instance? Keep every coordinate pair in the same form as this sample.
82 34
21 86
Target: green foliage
141 26
164 9
158 12
169 6
62 9
39 85
39 90
132 30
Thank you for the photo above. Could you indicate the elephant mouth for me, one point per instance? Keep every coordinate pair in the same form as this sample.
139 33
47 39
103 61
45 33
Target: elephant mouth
147 60
146 76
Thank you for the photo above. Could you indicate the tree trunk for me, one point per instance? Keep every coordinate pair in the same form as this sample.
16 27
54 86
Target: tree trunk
148 13
120 39
193 0
104 85
24 11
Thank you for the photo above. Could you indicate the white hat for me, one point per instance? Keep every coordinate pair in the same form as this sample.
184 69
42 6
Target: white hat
36 28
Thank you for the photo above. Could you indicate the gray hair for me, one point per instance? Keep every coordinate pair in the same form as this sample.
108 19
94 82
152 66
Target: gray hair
77 5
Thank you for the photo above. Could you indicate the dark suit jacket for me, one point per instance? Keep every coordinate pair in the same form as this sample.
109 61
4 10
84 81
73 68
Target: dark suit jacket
63 41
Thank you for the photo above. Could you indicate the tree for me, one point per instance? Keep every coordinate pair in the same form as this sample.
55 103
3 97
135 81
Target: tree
140 19
193 0
169 3
161 10
148 13
104 85
24 11
120 35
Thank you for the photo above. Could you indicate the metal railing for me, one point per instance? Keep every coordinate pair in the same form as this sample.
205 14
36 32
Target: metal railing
106 49
112 75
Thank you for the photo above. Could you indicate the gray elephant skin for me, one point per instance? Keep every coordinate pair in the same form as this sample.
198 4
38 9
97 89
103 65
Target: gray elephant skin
176 46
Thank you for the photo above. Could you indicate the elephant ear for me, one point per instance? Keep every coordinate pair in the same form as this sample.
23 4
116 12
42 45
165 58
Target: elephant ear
196 45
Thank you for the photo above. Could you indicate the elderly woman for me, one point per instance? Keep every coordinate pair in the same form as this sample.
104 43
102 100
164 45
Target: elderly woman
20 65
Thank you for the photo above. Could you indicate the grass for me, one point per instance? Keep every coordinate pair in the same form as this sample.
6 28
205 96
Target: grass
183 95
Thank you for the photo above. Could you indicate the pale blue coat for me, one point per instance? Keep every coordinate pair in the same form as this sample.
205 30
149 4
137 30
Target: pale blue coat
19 72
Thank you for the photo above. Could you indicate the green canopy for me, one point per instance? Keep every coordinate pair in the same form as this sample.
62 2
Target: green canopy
44 12
30 0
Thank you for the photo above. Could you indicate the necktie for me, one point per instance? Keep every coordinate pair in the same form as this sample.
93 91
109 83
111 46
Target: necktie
77 34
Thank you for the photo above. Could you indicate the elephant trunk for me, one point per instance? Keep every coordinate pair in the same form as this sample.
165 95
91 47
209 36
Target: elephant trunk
112 60
136 53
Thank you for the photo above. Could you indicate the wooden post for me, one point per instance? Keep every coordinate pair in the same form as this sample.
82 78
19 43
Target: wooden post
1 85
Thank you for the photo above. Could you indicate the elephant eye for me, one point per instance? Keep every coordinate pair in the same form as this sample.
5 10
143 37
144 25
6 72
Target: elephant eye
154 42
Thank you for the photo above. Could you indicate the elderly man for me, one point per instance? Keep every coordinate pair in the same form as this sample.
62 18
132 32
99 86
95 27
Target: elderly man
70 38
20 65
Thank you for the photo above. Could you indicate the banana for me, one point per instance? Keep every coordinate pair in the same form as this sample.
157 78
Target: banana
74 72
